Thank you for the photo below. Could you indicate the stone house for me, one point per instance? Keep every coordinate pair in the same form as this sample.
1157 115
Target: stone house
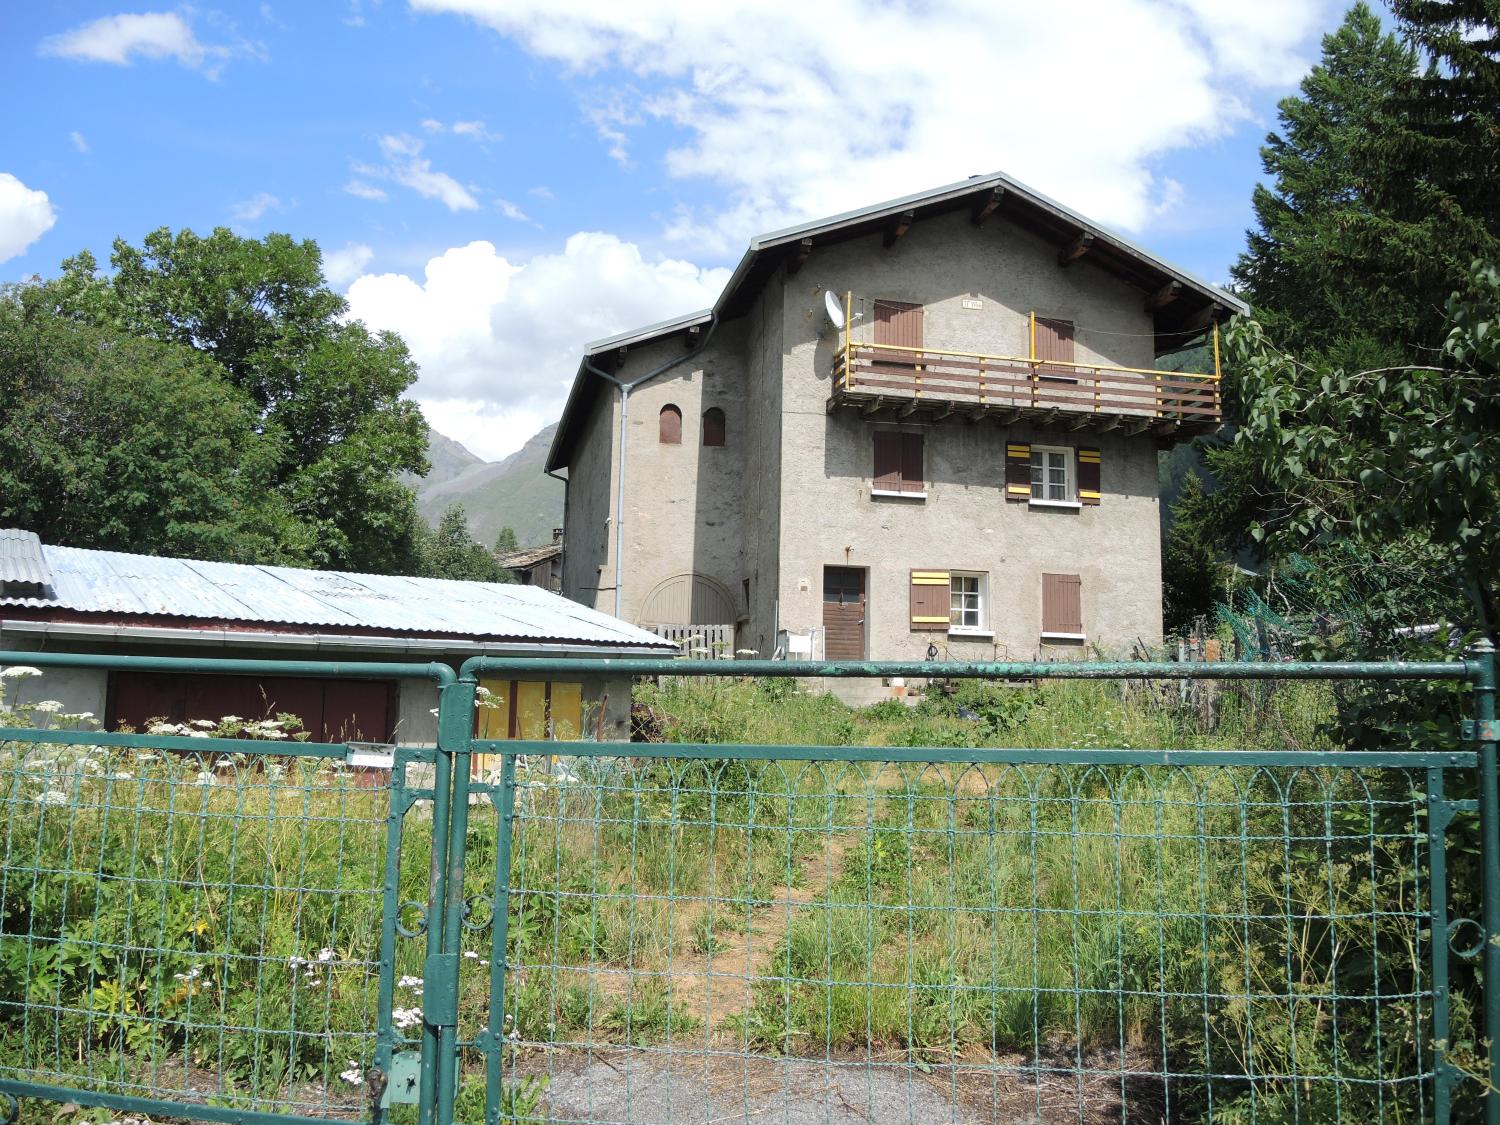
925 428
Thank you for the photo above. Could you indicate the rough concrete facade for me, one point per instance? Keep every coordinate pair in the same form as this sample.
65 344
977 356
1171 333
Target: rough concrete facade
791 493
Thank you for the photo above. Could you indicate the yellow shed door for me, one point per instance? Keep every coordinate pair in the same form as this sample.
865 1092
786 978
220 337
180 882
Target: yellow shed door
526 709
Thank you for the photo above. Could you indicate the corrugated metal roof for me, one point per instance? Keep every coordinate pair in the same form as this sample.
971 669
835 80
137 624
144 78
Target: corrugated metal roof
120 584
21 558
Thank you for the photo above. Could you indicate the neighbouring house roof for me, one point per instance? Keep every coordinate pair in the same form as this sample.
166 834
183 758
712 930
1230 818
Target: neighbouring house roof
528 557
117 587
996 194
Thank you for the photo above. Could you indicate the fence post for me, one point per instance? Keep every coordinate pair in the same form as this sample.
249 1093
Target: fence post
437 881
1489 829
440 979
500 934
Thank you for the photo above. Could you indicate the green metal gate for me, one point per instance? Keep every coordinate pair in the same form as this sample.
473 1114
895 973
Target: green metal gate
250 931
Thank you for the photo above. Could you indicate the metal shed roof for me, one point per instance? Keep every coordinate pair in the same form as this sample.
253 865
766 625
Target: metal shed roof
21 561
117 584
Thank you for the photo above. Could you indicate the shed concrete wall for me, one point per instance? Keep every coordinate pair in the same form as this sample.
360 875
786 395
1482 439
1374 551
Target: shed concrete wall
85 690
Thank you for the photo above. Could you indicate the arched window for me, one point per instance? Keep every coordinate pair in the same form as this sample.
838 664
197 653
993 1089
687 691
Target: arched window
669 426
713 426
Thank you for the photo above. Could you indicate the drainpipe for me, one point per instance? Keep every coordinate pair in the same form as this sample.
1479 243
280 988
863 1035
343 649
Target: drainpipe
625 389
562 556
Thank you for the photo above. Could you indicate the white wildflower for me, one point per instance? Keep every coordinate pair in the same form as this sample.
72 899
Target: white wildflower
53 797
19 672
204 724
405 1018
121 775
411 982
483 692
146 756
699 650
326 954
49 706
162 728
470 955
229 720
746 652
275 770
352 1074
205 777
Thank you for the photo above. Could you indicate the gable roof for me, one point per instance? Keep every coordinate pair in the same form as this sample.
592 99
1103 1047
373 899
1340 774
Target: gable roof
996 195
145 586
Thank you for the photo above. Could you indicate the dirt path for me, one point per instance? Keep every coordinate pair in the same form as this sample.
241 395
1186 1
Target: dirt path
720 984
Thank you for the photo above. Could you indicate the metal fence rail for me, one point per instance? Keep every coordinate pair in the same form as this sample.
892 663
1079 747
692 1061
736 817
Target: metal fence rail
241 931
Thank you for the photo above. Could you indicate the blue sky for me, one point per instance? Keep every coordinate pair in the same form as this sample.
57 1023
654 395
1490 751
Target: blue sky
501 180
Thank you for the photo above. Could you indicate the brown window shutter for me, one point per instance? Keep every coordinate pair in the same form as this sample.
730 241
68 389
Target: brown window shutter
1017 472
912 477
930 601
669 426
713 426
1062 604
1088 475
887 461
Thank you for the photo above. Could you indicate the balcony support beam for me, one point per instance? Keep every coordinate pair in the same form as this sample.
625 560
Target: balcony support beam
1075 249
909 409
898 228
872 406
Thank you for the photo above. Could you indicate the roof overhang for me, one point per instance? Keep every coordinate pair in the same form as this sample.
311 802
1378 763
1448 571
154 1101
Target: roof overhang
1182 305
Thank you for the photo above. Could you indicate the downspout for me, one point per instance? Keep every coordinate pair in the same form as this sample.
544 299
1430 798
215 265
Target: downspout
562 555
625 389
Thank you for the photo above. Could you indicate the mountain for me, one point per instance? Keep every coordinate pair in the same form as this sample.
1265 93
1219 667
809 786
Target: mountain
510 493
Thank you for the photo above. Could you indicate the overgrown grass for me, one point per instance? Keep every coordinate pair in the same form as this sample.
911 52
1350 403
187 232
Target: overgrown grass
158 926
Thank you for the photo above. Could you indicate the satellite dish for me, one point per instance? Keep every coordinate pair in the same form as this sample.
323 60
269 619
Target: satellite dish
834 307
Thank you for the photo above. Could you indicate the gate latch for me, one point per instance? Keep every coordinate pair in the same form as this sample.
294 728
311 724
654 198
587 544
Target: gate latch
1481 730
402 1085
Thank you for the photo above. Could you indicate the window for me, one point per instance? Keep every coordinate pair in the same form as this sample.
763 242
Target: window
966 596
669 426
1062 607
1051 475
898 465
713 426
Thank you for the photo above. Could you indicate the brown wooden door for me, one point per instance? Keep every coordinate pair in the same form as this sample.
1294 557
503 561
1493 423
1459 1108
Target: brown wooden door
898 324
843 613
1054 341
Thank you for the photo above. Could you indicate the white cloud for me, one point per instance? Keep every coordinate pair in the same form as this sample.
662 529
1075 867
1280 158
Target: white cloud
498 342
511 211
474 129
795 110
248 210
432 125
406 166
25 215
120 39
342 266
80 142
363 190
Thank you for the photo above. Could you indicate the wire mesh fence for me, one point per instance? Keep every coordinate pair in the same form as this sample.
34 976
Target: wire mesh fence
1025 936
1133 914
196 928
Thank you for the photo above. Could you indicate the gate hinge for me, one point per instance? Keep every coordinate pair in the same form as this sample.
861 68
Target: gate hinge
1481 730
440 989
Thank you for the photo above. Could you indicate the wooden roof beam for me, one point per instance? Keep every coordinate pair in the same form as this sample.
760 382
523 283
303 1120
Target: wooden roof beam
985 206
1164 296
1075 249
1208 314
898 228
799 259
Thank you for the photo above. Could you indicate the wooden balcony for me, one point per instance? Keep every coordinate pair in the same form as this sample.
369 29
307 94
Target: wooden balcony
888 381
